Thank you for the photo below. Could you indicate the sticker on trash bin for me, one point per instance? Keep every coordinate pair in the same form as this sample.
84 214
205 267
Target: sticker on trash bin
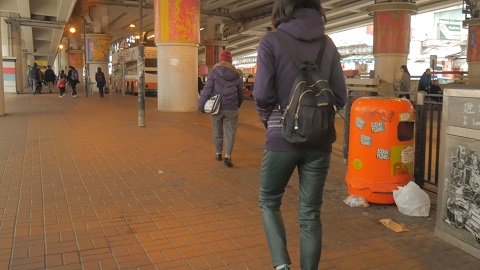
357 164
408 154
378 127
406 117
383 154
366 140
360 123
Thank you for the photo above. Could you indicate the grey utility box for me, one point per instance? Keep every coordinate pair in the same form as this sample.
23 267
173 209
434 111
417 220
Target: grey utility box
458 205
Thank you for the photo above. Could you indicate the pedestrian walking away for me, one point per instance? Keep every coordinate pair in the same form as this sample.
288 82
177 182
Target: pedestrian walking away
225 80
50 78
73 80
301 23
34 76
101 81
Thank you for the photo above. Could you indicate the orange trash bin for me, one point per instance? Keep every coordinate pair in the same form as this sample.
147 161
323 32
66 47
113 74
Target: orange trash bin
381 148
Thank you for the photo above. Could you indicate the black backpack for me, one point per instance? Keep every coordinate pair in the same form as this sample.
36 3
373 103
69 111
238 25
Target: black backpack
74 75
309 117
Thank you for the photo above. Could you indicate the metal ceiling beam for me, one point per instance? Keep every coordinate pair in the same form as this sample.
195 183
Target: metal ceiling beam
248 4
211 5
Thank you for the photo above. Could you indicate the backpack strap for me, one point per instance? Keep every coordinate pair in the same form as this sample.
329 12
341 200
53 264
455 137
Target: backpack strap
294 56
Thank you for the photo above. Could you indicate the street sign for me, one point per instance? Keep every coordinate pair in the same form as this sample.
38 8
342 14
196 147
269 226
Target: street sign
124 53
123 44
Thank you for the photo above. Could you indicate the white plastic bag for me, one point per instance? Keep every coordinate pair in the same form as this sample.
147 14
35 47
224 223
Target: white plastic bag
355 201
411 200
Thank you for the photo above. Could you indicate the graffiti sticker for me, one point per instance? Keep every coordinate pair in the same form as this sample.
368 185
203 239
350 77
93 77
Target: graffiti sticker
360 123
366 140
383 154
378 127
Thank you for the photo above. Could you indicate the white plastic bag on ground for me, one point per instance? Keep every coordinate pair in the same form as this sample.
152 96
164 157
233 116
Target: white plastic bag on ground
355 201
411 200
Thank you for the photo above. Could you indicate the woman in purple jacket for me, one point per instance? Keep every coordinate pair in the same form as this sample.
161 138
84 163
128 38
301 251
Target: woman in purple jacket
302 23
226 80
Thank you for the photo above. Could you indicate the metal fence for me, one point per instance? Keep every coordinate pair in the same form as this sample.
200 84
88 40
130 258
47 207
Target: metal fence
427 141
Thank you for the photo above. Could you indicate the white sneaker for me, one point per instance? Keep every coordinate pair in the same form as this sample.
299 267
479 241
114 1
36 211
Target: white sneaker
60 96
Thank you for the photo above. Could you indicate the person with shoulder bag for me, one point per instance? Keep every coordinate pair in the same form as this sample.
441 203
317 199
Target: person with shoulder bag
226 82
301 26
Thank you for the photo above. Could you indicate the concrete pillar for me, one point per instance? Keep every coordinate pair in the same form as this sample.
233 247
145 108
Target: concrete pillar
473 50
99 16
4 37
177 35
213 42
17 53
391 42
2 94
25 69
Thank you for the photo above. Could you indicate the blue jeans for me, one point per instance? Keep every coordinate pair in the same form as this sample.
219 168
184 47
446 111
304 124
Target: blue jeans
277 168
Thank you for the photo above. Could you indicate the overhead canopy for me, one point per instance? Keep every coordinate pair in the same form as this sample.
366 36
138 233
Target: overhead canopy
355 58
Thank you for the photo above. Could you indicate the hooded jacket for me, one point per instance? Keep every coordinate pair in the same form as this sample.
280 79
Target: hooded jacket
224 79
276 73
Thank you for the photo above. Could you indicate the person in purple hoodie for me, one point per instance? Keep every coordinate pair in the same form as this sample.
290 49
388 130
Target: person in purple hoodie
226 80
302 23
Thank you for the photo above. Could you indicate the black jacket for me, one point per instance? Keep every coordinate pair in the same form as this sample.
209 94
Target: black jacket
49 75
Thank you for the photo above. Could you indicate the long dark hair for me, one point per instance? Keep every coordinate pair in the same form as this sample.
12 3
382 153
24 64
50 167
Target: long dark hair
405 69
283 9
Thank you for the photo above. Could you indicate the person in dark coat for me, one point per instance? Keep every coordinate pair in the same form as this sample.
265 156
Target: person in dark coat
302 23
425 82
34 76
436 90
200 85
226 80
101 81
73 80
50 78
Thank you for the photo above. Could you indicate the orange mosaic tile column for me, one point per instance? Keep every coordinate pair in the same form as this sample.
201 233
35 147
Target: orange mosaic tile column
391 38
473 50
177 35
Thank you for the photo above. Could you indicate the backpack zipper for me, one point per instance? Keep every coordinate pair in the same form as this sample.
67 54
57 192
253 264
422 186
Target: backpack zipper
291 101
300 99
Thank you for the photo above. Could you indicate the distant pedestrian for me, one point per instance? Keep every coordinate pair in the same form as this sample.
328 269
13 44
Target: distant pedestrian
101 81
62 82
425 82
226 80
436 90
34 76
404 83
50 78
73 80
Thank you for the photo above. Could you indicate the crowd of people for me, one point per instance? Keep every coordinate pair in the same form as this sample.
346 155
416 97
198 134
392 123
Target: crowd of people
37 80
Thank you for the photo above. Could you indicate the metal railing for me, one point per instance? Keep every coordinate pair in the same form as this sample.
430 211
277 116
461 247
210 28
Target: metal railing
428 112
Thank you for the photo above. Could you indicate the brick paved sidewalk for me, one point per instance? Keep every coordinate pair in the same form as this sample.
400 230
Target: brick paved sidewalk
82 187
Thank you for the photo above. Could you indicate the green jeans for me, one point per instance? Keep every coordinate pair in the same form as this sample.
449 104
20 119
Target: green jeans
277 168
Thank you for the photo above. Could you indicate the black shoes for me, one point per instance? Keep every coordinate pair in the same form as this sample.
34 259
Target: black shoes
228 162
